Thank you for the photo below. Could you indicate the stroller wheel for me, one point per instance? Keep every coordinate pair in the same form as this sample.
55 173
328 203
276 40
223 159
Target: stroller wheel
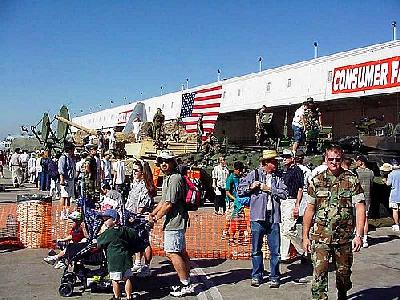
69 278
66 289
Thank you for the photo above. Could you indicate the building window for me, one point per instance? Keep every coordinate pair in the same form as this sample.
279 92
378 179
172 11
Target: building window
268 87
289 82
172 104
149 108
162 107
238 92
330 76
224 94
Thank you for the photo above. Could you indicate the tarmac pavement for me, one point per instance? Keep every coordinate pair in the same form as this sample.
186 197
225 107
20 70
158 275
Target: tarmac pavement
375 275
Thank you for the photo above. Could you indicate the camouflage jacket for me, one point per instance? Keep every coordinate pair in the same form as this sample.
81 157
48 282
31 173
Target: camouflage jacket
333 198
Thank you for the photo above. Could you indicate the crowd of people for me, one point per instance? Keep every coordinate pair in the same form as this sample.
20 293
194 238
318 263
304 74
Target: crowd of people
321 213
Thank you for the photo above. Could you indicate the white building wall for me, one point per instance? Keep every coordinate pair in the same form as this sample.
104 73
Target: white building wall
311 78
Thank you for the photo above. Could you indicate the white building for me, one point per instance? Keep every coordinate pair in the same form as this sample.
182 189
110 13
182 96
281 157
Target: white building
347 85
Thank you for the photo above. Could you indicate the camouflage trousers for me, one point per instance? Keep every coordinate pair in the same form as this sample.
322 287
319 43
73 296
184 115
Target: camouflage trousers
342 257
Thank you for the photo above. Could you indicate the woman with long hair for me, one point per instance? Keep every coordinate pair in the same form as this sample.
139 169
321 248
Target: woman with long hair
141 201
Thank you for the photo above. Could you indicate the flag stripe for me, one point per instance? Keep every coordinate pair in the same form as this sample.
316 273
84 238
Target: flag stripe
219 87
204 122
206 106
208 97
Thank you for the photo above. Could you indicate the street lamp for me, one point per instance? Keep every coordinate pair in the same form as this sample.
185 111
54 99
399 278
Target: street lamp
315 49
394 23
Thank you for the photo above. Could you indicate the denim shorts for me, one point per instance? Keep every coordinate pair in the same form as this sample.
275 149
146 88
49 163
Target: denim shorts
174 241
117 276
298 134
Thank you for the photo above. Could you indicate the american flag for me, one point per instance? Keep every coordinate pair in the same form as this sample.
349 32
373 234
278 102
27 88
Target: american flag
205 101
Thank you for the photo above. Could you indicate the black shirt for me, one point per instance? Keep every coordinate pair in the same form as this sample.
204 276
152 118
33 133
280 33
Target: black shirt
294 180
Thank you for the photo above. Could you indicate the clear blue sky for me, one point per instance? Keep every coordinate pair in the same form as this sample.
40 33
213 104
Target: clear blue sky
84 53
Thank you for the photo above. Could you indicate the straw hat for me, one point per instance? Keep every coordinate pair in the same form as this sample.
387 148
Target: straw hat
268 154
386 167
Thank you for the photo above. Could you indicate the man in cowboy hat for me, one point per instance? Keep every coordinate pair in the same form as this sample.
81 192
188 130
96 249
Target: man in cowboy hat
266 190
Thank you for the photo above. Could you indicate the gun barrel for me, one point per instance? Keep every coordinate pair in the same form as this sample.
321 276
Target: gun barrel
64 120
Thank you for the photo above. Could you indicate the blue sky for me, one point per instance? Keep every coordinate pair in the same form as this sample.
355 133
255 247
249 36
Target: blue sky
86 53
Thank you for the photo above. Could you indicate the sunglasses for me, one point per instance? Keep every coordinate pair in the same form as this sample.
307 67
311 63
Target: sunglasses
136 170
336 159
163 160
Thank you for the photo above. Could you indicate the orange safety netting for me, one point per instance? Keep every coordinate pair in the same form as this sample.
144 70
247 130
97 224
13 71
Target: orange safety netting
204 237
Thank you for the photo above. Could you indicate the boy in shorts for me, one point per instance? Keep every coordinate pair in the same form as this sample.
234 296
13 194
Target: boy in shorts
114 239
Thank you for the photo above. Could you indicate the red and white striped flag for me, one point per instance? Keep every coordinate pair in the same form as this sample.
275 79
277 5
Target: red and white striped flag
205 101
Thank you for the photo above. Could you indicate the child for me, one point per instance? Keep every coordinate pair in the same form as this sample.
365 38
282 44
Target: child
115 239
76 235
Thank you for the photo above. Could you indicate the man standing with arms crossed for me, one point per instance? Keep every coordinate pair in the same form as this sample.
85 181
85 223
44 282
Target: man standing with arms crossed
331 195
172 206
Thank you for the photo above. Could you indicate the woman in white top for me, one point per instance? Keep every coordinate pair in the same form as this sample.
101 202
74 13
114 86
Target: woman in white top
141 201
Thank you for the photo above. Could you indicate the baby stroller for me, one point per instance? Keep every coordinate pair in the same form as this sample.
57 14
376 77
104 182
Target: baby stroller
80 259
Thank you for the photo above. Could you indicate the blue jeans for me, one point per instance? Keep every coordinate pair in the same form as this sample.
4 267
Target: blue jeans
258 230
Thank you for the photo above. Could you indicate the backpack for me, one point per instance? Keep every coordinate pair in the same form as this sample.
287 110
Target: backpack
192 193
53 169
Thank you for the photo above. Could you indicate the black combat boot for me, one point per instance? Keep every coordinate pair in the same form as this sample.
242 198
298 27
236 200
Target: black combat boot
342 295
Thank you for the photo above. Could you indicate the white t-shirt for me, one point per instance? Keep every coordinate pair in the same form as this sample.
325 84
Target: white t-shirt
119 169
298 114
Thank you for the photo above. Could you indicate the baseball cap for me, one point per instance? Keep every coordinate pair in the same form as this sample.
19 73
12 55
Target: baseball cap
362 158
286 153
111 213
75 216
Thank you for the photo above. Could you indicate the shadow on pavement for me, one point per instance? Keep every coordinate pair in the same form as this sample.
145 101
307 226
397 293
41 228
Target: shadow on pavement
389 293
382 239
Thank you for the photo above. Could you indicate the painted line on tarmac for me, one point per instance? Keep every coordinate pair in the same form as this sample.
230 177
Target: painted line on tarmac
213 290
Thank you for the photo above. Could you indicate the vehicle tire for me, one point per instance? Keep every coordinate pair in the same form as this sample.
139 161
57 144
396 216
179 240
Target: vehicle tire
66 290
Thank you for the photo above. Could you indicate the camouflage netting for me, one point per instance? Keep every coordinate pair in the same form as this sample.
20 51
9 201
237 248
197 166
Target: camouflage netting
172 128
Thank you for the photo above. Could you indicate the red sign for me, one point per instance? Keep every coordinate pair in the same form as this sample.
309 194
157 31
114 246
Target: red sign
123 116
380 74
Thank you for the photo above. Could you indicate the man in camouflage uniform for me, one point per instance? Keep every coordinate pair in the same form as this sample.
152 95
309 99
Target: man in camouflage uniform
200 132
331 196
313 123
260 135
90 180
158 122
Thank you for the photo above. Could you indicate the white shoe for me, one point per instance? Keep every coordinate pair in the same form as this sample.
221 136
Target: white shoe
396 227
59 265
51 259
365 242
182 290
144 272
136 268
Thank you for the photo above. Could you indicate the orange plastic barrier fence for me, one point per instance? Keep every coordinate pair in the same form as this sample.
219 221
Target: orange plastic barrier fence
35 223
204 238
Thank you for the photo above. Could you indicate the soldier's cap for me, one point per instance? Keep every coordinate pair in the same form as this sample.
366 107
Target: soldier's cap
287 153
362 158
386 167
269 154
300 153
310 99
91 147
